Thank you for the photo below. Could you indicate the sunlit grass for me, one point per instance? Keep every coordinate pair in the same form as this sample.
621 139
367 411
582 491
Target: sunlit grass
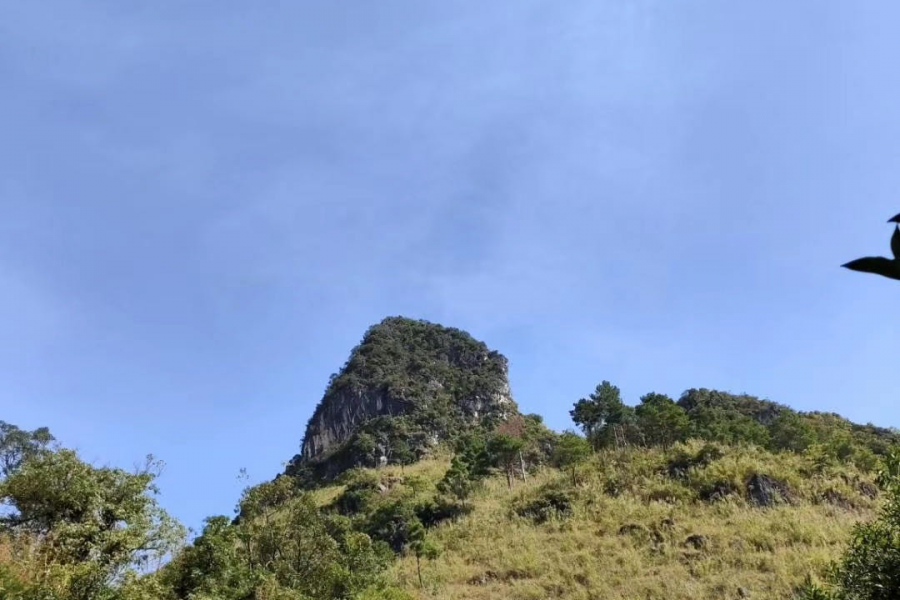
747 551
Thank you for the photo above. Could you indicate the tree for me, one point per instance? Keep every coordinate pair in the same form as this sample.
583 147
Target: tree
214 566
504 451
870 568
539 440
662 422
472 449
519 428
283 547
571 450
718 424
790 431
421 546
457 482
361 564
401 453
365 447
90 526
18 445
595 414
390 522
285 536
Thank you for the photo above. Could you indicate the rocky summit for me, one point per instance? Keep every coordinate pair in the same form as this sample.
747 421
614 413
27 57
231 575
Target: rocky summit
407 387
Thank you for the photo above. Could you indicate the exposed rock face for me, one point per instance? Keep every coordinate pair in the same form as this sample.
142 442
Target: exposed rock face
765 491
339 418
409 384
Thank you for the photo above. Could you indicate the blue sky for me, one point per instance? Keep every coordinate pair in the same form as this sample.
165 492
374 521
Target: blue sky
206 204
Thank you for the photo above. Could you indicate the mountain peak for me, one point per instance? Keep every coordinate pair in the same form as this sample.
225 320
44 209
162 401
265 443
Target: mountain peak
409 385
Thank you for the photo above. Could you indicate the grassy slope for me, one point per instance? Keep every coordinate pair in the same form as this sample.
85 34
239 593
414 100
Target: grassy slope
492 554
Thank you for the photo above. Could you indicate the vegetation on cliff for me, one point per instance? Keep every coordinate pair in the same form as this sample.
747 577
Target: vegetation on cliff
426 384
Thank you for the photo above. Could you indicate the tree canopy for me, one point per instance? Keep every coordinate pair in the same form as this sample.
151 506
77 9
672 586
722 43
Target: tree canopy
600 412
18 445
92 526
718 416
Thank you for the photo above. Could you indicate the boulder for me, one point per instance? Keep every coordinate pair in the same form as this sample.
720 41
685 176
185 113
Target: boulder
766 491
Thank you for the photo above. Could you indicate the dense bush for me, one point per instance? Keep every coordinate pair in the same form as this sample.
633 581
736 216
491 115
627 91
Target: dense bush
548 502
284 546
390 523
682 460
358 494
870 569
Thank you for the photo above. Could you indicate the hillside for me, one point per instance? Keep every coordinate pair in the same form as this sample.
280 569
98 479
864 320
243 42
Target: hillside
418 477
636 525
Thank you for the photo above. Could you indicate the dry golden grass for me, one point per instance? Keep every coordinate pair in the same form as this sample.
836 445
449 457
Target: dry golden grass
18 561
764 553
6 553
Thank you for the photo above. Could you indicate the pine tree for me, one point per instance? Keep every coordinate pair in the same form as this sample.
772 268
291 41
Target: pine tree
457 481
421 546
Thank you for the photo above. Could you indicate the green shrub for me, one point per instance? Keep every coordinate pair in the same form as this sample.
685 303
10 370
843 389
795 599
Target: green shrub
353 502
683 460
390 523
437 510
551 501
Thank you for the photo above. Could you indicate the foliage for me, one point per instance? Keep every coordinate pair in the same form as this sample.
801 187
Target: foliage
390 523
601 411
549 502
18 445
789 431
544 538
90 527
401 453
472 449
364 447
661 421
720 424
73 531
495 551
405 354
457 482
682 460
731 419
539 440
870 569
76 532
284 546
571 450
812 590
358 494
421 547
214 566
504 450
434 511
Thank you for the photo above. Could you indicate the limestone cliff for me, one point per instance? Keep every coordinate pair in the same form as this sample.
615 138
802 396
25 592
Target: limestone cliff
407 386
